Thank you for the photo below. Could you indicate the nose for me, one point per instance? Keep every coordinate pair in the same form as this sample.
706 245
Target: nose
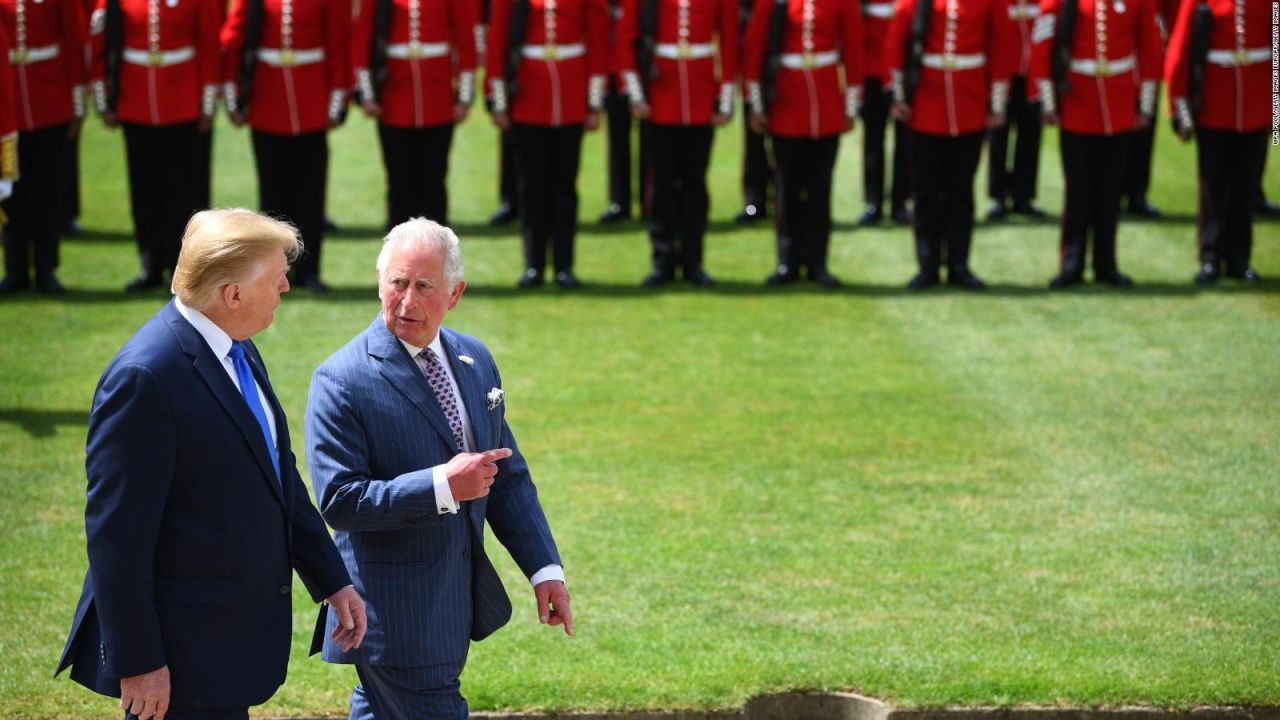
284 283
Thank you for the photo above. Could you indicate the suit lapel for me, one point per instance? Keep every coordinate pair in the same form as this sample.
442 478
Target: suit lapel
469 389
402 372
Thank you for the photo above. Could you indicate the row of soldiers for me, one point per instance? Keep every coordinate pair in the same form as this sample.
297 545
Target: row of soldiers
948 72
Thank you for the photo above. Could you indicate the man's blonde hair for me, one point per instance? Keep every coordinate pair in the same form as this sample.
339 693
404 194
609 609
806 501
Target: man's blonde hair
223 246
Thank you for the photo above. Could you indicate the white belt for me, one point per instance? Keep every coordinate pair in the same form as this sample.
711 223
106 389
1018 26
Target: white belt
289 58
684 51
1234 58
809 61
161 58
415 50
1103 68
878 10
27 56
949 61
1024 12
553 52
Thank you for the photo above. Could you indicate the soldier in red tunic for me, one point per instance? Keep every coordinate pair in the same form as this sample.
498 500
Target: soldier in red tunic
1096 66
415 66
795 50
669 52
546 72
876 18
954 86
47 70
1223 99
1015 187
155 72
8 126
287 72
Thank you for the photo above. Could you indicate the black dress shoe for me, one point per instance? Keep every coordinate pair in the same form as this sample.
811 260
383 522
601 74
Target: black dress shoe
567 280
1143 209
1114 278
700 278
966 280
782 276
657 278
1265 208
1208 274
613 214
870 216
531 278
144 282
49 285
315 285
922 280
330 226
1064 280
71 228
826 280
503 215
901 216
1026 209
11 285
1248 275
749 214
996 211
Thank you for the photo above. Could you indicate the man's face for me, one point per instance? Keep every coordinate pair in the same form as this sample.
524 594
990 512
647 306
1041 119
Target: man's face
415 296
260 296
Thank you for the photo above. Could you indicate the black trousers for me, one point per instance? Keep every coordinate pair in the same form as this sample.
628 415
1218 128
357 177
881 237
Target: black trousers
875 119
70 208
508 177
942 170
33 209
164 167
417 162
756 170
676 197
1093 169
805 167
548 167
1230 172
617 110
1019 182
204 170
1137 175
291 186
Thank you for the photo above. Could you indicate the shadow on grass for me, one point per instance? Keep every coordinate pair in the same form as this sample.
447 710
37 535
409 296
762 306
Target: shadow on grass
42 423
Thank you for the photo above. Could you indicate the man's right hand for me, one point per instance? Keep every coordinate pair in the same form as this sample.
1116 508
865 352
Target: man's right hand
471 474
146 695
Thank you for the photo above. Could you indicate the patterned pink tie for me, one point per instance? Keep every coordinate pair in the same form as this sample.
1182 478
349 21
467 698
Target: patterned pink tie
439 382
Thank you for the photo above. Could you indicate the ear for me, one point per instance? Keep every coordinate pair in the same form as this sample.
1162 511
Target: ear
230 296
457 294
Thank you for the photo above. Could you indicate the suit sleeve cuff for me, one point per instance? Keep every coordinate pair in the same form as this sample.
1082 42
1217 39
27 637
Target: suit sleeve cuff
445 504
550 572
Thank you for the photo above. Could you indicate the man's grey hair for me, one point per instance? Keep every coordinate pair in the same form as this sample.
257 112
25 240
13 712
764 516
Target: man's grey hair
429 234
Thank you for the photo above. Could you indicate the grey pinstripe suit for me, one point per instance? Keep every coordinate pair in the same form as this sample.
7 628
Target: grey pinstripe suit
374 430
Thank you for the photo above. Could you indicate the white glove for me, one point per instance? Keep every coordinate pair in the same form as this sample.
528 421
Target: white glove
6 189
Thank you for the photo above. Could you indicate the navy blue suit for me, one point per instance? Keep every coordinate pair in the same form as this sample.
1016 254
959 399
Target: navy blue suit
374 430
192 540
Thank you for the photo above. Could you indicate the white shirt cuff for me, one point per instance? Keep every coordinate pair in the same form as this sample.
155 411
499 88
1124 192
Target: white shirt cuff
444 496
550 572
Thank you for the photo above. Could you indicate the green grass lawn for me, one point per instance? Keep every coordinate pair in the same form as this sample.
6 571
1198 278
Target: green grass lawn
1013 497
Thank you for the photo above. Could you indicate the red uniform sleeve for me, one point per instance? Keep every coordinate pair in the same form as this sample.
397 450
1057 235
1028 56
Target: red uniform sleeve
462 20
730 60
8 118
598 29
1149 52
98 43
495 66
208 50
1177 61
75 34
337 51
362 36
1003 47
232 38
628 31
1042 36
757 38
851 43
895 45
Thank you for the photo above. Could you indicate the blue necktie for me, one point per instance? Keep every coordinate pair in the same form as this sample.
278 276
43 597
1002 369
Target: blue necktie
249 389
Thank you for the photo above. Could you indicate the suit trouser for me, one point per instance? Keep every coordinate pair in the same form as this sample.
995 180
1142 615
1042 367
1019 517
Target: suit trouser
1018 184
875 119
805 166
164 165
508 175
677 198
409 693
417 163
1137 175
1230 168
291 184
33 207
1093 173
756 171
942 170
548 167
187 714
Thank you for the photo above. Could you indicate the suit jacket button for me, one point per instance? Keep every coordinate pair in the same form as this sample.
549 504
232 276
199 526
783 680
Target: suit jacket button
284 589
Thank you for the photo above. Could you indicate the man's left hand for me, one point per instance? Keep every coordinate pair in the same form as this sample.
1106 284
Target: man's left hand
352 621
553 605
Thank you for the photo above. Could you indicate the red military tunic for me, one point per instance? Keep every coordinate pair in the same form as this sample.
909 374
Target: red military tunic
684 87
810 100
1236 89
8 116
565 43
877 16
302 73
1115 64
47 57
970 52
169 67
430 48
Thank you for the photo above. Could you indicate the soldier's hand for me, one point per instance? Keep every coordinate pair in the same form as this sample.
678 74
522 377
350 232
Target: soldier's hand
73 128
205 124
237 119
502 120
371 108
850 124
471 474
1184 133
593 120
1049 118
1142 122
995 120
721 119
759 123
110 120
901 111
460 111
640 110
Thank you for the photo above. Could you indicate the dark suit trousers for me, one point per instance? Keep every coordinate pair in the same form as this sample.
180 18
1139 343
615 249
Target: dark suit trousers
409 693
677 211
1019 182
756 171
33 209
187 714
291 186
1093 171
417 163
942 170
1230 167
805 167
548 167
164 165
875 120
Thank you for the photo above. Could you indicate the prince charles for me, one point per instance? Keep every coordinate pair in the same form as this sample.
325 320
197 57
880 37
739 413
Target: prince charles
411 455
